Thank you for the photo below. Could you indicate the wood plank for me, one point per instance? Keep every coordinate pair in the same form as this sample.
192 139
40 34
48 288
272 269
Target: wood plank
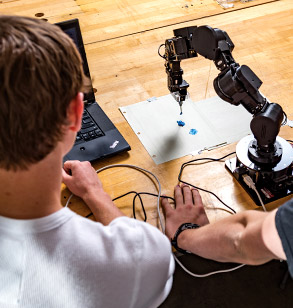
128 70
102 20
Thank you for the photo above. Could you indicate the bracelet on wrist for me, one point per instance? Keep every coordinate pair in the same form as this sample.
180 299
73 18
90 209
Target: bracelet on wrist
183 227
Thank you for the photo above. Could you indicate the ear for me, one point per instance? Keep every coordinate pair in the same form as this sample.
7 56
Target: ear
74 112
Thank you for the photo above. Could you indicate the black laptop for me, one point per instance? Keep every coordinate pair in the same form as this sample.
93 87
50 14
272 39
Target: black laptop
98 136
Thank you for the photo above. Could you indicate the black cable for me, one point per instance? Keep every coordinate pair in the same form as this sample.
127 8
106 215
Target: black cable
133 207
133 203
136 194
156 195
199 188
284 119
159 51
128 193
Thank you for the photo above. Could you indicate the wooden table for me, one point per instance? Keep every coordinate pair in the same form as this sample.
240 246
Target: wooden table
121 41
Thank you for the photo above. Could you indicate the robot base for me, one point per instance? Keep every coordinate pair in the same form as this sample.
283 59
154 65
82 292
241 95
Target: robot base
272 183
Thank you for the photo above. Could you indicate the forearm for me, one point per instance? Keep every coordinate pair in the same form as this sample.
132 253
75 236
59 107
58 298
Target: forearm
234 239
102 207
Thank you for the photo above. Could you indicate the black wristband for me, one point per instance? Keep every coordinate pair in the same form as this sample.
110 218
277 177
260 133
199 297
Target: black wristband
183 227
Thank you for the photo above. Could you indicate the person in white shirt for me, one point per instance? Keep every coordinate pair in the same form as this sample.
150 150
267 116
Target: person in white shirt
50 256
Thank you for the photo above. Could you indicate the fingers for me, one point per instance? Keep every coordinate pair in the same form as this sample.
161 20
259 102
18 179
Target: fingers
70 166
65 176
196 197
74 170
165 206
187 195
184 196
178 196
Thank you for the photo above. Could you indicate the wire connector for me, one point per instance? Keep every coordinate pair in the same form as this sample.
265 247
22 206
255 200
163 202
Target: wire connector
248 181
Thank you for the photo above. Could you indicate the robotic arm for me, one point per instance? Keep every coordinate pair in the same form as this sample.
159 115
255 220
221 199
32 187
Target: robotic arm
235 84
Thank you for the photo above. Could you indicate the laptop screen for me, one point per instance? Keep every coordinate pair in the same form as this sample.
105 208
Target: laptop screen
72 29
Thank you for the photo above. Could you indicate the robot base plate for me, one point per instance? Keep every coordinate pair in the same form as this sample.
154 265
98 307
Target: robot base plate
271 183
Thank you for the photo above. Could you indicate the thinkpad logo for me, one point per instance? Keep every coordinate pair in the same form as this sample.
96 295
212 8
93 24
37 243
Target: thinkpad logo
113 146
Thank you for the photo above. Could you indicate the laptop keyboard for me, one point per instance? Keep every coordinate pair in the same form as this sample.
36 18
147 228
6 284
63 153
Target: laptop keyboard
89 129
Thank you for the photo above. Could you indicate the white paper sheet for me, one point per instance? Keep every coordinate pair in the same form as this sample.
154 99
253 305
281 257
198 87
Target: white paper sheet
155 123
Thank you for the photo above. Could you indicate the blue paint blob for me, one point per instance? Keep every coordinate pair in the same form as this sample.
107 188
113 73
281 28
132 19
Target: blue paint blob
180 112
193 131
180 123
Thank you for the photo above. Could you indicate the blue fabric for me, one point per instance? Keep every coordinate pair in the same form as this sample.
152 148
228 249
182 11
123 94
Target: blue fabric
284 224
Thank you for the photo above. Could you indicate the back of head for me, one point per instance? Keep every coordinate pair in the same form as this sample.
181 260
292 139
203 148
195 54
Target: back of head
40 73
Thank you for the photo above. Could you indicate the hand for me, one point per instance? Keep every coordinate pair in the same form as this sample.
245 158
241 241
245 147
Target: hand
81 178
188 208
84 182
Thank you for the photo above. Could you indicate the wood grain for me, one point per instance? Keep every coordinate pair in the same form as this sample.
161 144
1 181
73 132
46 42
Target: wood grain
103 20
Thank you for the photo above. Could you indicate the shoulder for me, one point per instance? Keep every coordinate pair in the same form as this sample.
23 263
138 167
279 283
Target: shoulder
134 236
148 243
152 258
132 249
148 235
